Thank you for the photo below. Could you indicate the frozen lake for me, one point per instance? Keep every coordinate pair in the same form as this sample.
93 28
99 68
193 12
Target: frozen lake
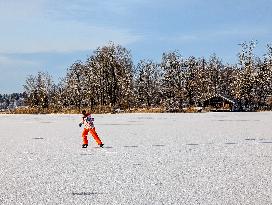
203 158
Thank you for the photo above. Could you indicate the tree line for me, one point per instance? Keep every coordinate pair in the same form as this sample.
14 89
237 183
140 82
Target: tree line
9 101
108 81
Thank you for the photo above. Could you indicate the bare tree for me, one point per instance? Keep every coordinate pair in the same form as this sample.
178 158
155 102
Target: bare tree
173 80
147 84
38 89
246 82
73 86
112 72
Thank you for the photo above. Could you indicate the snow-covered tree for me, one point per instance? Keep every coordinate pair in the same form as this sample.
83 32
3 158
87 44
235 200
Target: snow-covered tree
56 103
112 73
38 89
247 77
73 86
13 100
228 77
214 71
263 89
108 79
193 81
172 66
147 85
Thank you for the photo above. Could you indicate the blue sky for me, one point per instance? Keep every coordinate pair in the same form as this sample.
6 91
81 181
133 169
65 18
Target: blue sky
49 35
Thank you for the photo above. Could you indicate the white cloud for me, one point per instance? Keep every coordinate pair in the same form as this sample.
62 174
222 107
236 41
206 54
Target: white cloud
14 71
63 37
6 61
183 38
29 28
17 9
217 33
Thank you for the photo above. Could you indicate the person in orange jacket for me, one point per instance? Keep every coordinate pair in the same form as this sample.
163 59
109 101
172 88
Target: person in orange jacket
87 121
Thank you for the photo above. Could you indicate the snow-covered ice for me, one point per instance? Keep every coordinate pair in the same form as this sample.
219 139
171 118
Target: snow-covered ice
203 158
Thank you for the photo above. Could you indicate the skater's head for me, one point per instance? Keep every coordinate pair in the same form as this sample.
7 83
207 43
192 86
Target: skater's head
84 112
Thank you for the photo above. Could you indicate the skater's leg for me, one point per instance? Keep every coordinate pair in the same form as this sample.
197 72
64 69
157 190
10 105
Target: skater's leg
84 136
95 136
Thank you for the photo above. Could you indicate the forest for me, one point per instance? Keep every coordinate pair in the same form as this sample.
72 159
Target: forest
108 81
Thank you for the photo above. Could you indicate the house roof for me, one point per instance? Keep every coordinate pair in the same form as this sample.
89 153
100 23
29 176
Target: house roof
213 96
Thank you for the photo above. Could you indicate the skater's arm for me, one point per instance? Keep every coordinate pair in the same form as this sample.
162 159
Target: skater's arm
82 122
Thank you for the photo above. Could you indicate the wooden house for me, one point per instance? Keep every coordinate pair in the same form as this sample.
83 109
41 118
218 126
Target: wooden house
218 103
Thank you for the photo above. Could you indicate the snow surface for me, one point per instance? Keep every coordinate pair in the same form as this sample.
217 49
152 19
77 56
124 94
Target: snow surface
203 158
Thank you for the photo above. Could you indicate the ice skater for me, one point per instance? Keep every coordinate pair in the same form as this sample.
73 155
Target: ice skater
87 121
